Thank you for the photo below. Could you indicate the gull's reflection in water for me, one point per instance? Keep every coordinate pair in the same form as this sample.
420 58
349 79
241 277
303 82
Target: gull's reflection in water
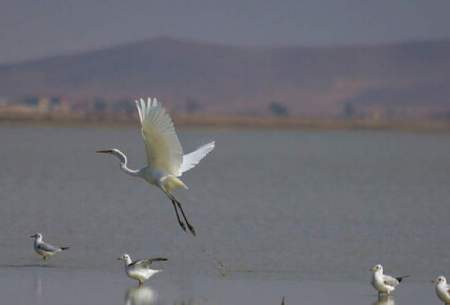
385 300
38 290
141 296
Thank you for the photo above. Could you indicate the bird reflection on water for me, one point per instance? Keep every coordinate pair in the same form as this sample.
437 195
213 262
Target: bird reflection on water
141 296
385 300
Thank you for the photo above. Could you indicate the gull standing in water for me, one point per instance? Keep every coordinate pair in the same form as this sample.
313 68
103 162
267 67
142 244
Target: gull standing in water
384 284
140 270
165 159
45 249
442 289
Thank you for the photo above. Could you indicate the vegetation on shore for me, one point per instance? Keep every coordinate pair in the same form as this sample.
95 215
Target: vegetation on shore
232 121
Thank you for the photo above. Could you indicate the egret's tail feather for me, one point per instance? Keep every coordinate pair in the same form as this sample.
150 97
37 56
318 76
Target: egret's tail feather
171 183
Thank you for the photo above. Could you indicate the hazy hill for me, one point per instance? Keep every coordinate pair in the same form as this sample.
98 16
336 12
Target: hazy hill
313 81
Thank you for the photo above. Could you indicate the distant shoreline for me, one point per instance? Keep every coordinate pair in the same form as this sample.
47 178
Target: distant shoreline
238 122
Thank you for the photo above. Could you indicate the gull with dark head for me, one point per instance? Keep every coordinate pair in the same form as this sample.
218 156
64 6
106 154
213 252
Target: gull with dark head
442 289
140 270
383 283
45 249
165 159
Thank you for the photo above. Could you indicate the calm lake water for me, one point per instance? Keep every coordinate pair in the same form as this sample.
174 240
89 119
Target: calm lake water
300 214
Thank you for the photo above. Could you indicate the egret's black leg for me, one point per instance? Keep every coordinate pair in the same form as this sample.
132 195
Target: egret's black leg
190 227
178 216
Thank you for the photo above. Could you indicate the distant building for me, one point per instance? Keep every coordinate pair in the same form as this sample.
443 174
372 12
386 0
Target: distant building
43 105
34 104
278 109
59 104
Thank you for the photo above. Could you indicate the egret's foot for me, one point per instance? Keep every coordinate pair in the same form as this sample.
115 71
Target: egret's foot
191 228
181 223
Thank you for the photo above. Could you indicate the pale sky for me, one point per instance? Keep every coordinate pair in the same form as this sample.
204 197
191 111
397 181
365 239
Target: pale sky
38 28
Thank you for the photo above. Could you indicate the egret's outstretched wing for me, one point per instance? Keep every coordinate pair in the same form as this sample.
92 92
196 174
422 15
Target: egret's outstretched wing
192 159
163 148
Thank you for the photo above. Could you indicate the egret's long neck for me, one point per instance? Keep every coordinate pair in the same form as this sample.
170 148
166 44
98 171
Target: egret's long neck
123 164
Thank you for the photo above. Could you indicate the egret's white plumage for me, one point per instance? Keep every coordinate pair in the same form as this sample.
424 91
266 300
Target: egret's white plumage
140 270
190 160
383 283
165 158
163 148
442 289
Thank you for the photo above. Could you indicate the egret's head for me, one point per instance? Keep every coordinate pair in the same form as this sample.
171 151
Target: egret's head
440 280
111 151
115 152
36 236
125 257
377 268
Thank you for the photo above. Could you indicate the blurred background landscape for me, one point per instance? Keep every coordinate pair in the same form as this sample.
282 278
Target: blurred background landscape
301 212
294 74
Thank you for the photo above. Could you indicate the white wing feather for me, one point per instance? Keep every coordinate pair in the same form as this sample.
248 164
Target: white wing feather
164 151
192 159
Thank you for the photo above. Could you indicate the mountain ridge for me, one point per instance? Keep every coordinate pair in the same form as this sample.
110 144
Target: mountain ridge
313 81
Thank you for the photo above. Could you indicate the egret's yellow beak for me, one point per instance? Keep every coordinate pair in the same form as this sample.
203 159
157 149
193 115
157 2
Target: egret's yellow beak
106 151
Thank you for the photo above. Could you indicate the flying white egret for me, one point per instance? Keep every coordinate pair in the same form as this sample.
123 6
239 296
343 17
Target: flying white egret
140 270
45 249
165 158
383 283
